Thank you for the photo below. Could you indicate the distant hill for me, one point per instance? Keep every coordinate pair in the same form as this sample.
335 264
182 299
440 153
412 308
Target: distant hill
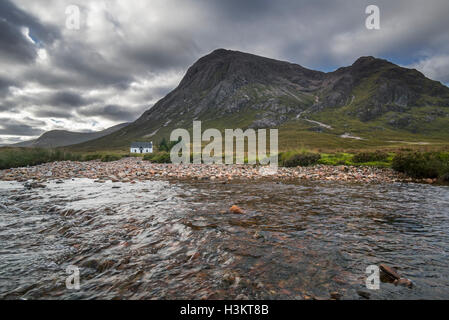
372 102
62 138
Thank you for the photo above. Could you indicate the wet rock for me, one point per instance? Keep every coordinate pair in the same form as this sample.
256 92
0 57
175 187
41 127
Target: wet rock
195 256
257 235
403 282
236 209
228 278
33 185
389 272
364 294
335 295
314 297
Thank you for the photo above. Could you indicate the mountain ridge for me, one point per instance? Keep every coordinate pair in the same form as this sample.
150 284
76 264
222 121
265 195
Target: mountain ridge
63 138
232 89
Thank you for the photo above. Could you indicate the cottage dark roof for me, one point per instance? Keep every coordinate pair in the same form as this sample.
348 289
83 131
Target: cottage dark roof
142 145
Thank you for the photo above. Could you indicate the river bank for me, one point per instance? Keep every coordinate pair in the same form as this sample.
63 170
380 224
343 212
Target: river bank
134 169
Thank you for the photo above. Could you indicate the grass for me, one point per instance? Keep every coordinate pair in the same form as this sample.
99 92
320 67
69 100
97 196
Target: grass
22 157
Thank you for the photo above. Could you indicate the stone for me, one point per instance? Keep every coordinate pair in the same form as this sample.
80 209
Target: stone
335 295
390 272
364 294
236 209
404 282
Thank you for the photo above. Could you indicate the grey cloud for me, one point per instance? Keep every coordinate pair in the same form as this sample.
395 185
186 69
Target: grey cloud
13 44
172 50
106 56
112 112
68 99
5 84
52 112
10 12
20 128
85 67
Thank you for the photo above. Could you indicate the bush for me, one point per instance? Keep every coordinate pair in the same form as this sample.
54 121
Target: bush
110 157
165 146
299 159
422 165
160 157
90 157
363 157
22 157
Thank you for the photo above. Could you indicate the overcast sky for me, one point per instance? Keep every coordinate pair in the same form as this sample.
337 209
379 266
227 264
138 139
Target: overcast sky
128 54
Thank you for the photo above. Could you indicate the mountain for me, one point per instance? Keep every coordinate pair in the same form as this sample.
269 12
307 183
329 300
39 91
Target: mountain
372 102
61 138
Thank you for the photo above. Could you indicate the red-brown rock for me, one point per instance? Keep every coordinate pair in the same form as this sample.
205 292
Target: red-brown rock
236 209
390 272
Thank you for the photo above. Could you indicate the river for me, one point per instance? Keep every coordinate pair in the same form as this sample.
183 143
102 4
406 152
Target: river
177 240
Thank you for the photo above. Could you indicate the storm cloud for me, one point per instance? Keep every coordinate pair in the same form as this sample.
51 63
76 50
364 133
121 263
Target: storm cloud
128 55
20 128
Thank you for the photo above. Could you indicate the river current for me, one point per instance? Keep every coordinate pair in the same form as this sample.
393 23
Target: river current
177 240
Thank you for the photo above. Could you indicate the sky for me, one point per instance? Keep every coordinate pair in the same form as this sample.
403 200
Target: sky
126 55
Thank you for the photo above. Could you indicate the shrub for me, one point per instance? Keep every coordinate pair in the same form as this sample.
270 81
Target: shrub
110 157
165 146
92 156
160 157
363 157
422 165
21 157
299 159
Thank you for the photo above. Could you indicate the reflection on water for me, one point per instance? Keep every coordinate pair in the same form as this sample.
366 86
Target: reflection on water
161 240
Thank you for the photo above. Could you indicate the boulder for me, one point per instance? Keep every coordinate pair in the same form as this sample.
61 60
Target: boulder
390 272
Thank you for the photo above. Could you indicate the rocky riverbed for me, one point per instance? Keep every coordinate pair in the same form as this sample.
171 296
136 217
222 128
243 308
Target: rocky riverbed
134 169
202 239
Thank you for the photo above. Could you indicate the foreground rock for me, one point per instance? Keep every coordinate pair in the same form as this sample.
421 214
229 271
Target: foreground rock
134 169
236 209
392 275
389 272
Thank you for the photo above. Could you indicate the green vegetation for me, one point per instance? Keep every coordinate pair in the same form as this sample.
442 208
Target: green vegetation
336 159
306 157
302 158
433 164
363 157
110 157
159 157
423 164
165 146
18 157
22 157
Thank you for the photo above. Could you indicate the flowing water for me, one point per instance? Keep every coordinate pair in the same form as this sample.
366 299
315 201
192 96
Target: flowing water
174 240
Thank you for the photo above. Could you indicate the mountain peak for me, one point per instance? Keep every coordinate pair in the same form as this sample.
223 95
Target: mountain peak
365 59
221 52
368 61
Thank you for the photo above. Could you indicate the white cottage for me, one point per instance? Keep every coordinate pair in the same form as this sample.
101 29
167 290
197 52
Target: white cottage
142 147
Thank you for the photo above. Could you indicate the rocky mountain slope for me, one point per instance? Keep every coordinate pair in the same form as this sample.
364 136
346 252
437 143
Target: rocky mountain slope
61 138
371 102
